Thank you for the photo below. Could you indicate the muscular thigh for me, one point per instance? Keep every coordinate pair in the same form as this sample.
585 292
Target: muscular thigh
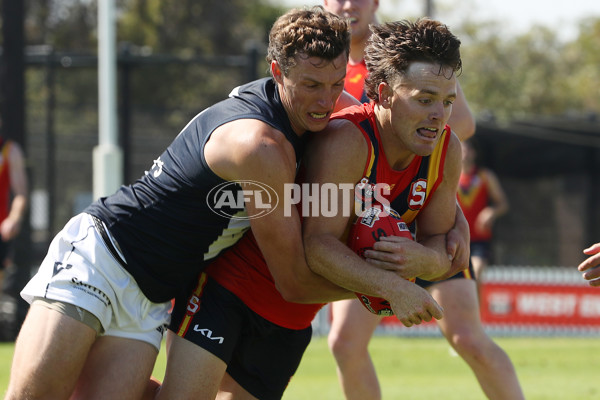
459 299
65 343
116 368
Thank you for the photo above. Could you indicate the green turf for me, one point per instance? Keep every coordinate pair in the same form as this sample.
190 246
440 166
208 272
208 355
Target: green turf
410 368
425 369
6 351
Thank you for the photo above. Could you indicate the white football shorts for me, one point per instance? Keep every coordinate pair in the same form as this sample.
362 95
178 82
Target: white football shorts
80 270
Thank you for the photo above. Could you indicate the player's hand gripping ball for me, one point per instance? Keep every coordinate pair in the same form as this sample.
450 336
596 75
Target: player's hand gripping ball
371 225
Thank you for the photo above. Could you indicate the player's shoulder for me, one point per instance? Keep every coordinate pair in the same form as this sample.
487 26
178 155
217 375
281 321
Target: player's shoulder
345 100
340 145
454 145
341 134
250 135
245 145
15 152
453 154
487 174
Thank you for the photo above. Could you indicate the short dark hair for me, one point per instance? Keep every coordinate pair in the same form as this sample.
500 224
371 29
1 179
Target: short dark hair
312 32
393 46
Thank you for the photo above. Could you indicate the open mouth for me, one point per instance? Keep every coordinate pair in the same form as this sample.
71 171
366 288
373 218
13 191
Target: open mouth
318 115
429 133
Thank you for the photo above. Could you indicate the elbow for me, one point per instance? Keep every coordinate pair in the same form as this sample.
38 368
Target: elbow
293 290
445 273
466 130
294 293
297 289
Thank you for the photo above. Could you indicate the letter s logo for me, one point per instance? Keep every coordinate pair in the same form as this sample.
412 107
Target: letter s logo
193 304
418 192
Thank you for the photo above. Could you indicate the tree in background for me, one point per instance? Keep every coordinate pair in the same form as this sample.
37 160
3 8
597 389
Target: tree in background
515 76
583 60
534 74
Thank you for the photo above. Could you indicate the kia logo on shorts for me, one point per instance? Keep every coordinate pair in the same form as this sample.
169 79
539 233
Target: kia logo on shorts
228 199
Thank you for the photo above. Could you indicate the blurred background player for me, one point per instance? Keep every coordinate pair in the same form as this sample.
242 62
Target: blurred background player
591 265
353 326
483 200
13 204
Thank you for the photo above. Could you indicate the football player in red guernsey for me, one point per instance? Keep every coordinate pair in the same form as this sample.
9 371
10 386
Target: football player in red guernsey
352 328
399 127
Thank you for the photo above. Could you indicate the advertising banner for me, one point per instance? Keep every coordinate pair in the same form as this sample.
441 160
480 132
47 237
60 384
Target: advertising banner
530 301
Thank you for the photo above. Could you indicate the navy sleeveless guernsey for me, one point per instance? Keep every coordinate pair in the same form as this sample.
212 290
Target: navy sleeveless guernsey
162 222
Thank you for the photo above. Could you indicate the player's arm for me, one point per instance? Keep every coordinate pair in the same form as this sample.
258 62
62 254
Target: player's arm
338 155
442 215
458 242
463 125
345 100
433 222
11 226
461 120
439 216
262 154
591 265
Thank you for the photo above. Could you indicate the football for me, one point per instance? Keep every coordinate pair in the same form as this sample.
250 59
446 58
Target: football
371 225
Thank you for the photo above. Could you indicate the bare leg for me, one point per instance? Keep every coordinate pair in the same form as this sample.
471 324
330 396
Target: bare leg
192 372
351 330
479 266
50 354
231 390
152 388
117 368
462 327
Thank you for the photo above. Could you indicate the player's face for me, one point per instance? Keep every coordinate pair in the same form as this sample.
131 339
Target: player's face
360 13
413 112
310 90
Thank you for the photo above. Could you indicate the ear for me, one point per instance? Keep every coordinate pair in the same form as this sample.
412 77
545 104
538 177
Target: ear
385 93
376 4
276 72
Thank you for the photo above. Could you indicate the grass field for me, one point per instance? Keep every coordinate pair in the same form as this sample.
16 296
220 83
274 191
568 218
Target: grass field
425 369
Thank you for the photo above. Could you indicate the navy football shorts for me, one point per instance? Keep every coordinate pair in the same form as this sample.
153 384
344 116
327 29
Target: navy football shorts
260 356
481 249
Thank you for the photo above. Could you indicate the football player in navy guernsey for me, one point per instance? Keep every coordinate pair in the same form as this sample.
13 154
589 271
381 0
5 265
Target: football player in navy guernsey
102 296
